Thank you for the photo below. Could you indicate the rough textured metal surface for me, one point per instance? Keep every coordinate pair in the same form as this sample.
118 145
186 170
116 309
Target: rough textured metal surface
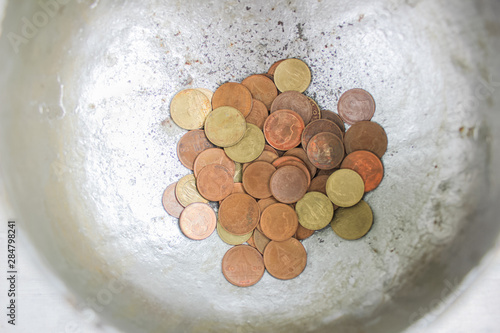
89 147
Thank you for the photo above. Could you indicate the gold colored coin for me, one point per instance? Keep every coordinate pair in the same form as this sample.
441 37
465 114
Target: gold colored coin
189 108
315 210
249 148
353 222
231 239
238 167
207 93
292 74
186 191
225 126
345 187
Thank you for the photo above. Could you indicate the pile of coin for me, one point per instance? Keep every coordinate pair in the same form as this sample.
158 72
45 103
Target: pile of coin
279 166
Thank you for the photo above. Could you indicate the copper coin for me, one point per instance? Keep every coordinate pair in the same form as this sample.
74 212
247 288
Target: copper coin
316 111
266 156
237 188
233 94
271 149
279 161
191 145
295 101
320 126
301 153
264 203
215 182
318 184
368 165
239 214
170 203
279 222
261 240
198 221
299 165
256 179
356 105
288 184
273 67
325 150
258 114
303 233
332 116
243 266
283 129
326 172
213 156
366 135
251 242
262 89
285 260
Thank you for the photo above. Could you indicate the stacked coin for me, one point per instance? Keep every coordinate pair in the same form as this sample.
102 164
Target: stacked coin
256 148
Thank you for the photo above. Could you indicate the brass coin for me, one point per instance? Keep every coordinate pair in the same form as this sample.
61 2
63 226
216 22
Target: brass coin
238 167
248 148
231 239
345 187
215 182
315 210
189 108
366 135
197 221
191 145
279 222
170 203
353 222
243 266
295 101
186 191
208 93
316 111
239 214
262 88
258 115
356 105
285 260
235 95
292 74
301 153
225 126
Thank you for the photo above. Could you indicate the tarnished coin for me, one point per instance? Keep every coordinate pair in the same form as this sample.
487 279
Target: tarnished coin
233 94
215 182
353 222
271 149
273 67
332 116
285 260
318 184
237 188
191 145
356 105
283 129
186 191
208 93
315 210
303 233
258 115
264 203
251 241
320 126
230 238
243 266
266 156
213 156
316 111
280 160
301 153
326 172
170 203
189 108
325 150
288 184
248 148
295 101
225 126
366 135
260 240
367 165
279 222
345 187
256 179
197 221
239 214
262 89
292 74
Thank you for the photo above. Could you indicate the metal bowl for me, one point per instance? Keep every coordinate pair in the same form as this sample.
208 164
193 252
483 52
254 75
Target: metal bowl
88 147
